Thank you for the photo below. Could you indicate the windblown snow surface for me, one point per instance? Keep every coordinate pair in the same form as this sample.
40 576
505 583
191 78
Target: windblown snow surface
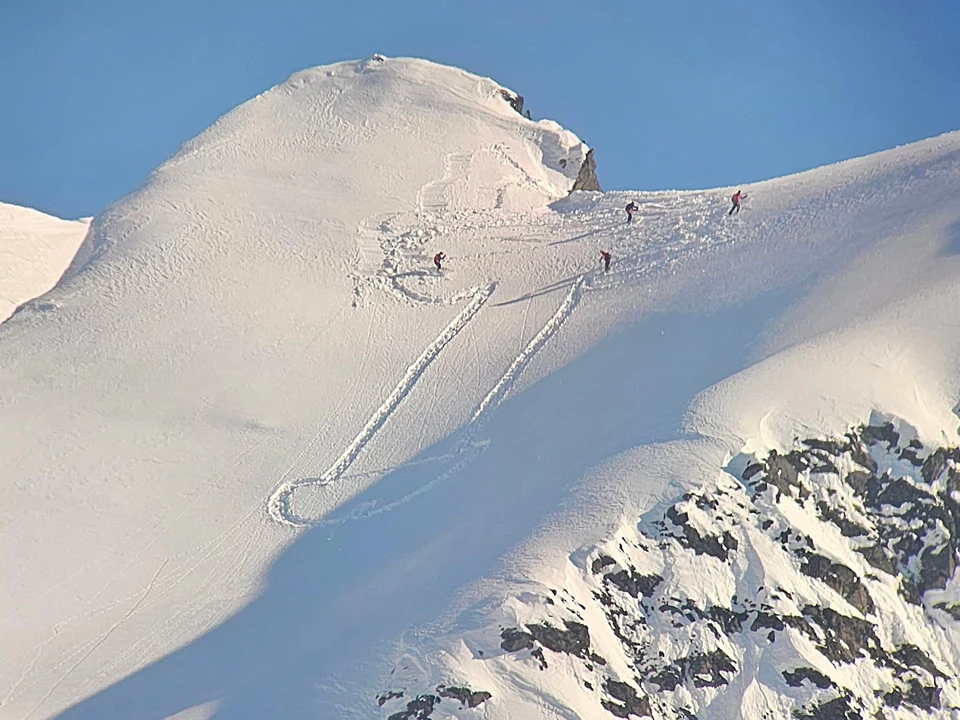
35 249
262 460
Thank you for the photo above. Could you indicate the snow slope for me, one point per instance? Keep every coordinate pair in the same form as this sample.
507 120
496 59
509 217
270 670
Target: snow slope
35 249
264 461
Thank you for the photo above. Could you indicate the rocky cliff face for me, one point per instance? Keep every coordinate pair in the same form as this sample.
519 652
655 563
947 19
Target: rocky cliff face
515 100
587 178
819 583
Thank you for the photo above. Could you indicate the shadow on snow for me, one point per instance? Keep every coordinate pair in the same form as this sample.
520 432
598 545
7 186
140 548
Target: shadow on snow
339 595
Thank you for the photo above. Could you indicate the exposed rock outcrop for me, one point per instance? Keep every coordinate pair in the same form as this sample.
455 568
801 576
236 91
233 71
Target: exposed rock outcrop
574 640
795 678
587 177
423 705
837 709
515 100
420 708
835 552
626 702
467 697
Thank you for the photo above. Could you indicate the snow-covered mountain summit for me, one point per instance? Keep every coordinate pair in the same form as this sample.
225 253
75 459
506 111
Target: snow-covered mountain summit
35 249
262 459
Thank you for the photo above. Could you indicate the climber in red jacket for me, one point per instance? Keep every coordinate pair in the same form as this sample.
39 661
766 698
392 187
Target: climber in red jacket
737 197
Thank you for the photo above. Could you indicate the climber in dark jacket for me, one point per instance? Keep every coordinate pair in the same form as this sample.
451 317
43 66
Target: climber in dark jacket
737 197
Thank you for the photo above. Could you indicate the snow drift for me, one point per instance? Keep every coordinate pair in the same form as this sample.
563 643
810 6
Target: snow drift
264 460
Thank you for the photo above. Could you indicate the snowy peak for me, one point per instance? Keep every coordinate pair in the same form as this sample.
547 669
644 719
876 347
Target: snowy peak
382 119
266 298
313 167
35 250
263 458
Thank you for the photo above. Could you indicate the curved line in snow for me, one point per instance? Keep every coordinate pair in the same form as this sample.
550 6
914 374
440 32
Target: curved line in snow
278 505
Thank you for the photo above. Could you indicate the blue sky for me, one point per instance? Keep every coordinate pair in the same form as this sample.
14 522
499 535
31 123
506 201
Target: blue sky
697 93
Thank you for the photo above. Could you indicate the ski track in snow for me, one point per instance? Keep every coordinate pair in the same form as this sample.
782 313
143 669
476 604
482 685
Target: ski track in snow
87 652
676 237
470 445
550 328
279 503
